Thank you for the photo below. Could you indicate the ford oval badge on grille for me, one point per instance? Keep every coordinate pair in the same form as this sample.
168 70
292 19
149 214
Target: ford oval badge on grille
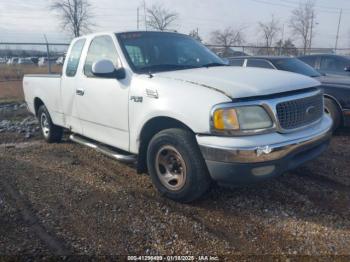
310 110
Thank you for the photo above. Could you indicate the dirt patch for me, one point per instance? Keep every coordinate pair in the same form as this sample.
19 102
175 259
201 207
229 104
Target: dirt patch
64 198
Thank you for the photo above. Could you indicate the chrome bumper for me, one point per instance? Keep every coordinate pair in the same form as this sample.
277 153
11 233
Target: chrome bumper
267 152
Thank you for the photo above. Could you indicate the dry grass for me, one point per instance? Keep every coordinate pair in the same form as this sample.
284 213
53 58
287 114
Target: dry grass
16 72
11 91
11 79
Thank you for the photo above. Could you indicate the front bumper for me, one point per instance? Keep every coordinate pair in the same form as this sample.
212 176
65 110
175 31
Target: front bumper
241 160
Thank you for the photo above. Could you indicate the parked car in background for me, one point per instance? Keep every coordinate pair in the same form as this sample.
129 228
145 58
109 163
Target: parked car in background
13 61
3 60
329 64
35 60
25 61
44 60
167 102
336 89
60 60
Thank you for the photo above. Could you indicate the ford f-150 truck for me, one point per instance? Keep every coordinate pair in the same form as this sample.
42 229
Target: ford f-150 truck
167 103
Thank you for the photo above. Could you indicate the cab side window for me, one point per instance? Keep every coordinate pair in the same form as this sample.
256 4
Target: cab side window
332 64
74 58
258 63
101 47
236 62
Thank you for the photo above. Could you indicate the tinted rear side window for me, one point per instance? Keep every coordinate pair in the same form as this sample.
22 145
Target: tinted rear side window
236 62
258 63
74 57
333 64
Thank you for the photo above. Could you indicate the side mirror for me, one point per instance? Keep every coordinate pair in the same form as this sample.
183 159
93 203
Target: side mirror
347 68
106 69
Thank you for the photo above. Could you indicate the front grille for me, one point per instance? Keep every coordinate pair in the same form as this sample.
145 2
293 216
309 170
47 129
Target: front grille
301 112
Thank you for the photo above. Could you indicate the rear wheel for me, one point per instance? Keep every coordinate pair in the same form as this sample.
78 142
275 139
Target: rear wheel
176 165
332 109
51 132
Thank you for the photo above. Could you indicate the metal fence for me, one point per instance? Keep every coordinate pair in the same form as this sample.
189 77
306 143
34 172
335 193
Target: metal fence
230 51
17 59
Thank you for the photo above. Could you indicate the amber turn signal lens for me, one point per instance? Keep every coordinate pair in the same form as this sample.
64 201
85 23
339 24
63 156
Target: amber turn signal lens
226 119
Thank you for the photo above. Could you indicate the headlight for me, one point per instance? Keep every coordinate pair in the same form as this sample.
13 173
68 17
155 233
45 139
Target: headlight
243 118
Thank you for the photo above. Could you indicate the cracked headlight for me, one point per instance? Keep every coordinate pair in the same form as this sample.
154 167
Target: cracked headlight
242 118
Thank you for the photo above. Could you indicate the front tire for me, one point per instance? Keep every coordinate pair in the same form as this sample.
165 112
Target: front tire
176 165
333 111
51 132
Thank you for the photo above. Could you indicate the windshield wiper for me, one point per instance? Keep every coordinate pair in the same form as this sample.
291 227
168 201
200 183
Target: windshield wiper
161 67
213 64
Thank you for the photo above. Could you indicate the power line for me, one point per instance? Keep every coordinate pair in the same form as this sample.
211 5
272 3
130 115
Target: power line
292 5
318 6
337 37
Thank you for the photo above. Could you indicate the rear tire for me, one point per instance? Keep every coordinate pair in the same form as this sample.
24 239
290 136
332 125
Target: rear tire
51 132
176 165
333 111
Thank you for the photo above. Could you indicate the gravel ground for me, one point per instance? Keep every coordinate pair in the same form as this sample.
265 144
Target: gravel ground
64 199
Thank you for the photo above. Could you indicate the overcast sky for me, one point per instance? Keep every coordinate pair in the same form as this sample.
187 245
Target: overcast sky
24 21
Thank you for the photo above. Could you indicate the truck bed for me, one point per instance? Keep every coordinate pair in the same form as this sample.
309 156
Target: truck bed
46 87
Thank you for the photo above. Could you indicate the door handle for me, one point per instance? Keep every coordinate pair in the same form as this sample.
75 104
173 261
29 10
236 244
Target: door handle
80 92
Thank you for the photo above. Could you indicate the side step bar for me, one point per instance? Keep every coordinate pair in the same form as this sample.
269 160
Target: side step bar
103 149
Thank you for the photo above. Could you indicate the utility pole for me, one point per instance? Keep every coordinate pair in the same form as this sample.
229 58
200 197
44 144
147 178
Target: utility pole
48 54
145 13
312 27
282 41
138 18
337 37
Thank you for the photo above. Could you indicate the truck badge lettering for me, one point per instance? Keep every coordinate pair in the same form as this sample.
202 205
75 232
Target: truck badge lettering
137 99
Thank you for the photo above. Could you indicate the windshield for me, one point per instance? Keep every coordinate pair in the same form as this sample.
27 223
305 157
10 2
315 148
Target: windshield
296 66
158 51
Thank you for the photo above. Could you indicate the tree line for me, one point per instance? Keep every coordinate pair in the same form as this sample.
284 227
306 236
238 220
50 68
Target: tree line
76 16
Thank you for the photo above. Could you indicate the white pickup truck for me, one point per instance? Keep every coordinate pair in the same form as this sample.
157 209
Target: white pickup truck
167 103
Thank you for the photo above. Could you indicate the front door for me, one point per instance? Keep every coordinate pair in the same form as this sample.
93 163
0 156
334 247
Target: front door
103 102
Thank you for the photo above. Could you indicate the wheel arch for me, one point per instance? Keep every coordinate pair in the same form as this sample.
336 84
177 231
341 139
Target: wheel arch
37 104
340 108
149 129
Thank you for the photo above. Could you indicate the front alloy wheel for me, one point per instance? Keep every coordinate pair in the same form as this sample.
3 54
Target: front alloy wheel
171 168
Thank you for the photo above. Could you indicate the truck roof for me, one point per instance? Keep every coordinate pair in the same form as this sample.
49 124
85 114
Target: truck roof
126 32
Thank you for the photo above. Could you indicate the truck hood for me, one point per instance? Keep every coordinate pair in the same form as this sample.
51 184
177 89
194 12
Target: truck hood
335 80
238 82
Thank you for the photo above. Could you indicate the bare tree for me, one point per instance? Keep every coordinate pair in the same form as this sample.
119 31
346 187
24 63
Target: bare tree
227 38
302 22
160 18
269 31
195 34
75 15
286 48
